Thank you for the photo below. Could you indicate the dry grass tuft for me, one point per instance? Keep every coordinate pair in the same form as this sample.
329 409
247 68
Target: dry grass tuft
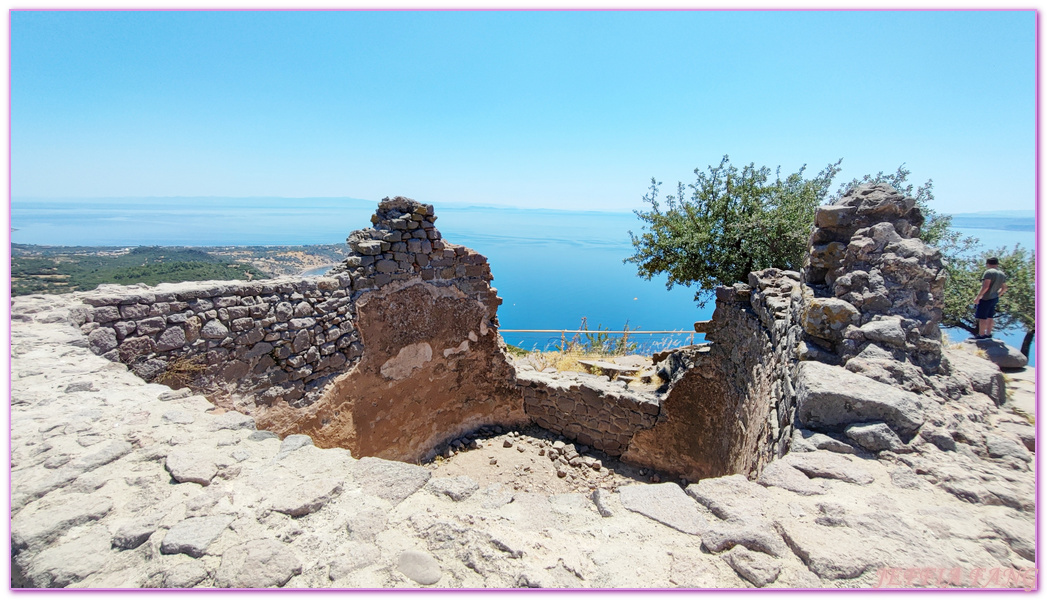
181 372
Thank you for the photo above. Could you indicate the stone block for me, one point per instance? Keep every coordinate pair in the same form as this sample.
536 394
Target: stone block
133 312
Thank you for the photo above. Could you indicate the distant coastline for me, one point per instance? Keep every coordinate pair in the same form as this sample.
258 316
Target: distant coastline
317 271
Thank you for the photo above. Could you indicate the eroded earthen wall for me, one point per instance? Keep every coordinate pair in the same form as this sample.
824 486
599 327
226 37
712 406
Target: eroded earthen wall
431 370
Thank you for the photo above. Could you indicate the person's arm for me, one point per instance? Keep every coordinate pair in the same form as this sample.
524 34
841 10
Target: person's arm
986 284
1003 288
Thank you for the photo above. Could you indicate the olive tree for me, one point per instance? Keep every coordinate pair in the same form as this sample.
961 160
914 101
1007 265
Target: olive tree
728 222
732 221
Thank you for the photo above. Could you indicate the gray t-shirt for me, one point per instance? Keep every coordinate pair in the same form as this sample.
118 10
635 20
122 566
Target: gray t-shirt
996 279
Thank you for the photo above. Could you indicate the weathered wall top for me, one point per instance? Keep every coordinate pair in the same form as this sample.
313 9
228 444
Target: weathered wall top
878 289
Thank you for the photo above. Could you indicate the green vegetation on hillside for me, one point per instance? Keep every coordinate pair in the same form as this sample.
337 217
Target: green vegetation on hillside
59 270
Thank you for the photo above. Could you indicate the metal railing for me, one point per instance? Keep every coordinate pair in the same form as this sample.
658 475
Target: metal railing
613 341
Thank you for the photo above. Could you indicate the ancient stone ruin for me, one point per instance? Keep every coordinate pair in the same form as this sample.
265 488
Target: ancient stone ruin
396 351
827 384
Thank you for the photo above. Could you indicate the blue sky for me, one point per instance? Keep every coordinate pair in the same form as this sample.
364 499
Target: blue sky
532 109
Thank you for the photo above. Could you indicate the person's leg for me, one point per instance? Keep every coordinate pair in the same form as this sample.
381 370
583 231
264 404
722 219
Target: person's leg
981 315
990 317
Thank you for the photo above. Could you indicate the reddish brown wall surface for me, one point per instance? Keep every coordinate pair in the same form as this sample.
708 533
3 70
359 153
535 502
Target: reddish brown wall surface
431 370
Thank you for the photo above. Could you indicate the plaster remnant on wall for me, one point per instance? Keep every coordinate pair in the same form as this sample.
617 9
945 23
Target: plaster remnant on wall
407 360
463 347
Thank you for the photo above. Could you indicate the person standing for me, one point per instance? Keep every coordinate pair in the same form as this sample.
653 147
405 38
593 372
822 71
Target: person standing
994 283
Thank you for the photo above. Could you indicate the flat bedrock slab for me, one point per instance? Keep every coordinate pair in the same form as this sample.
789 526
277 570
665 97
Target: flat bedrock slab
36 526
755 567
355 556
808 441
1003 355
307 497
785 476
259 563
831 398
67 563
185 575
192 536
456 488
665 503
189 467
730 498
829 552
388 479
875 437
1019 535
232 420
757 535
984 375
364 525
132 535
828 465
291 443
1001 446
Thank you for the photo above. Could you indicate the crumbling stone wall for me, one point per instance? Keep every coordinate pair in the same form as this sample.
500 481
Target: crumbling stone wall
730 406
404 244
276 340
878 289
394 351
397 351
591 410
869 299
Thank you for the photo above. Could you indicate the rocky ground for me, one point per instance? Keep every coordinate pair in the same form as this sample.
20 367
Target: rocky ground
117 483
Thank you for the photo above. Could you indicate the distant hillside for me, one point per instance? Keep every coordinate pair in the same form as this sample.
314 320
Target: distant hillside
57 270
60 269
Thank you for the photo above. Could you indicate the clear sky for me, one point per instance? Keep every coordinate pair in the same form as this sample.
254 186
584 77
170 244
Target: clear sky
544 109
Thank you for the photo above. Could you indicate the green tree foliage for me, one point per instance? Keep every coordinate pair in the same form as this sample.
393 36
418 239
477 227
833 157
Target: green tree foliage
732 221
1017 307
729 222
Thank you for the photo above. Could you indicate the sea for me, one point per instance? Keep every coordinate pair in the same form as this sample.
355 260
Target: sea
558 270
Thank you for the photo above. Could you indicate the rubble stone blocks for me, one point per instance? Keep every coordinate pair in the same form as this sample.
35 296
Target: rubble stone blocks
865 252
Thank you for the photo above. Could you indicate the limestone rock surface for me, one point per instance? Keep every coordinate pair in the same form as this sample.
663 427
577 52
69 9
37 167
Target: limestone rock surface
831 398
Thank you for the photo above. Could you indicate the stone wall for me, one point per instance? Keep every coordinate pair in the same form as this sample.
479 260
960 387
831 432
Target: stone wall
730 405
878 289
397 351
393 352
270 341
591 410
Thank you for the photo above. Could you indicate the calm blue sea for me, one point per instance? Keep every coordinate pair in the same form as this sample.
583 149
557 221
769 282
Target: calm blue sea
552 267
